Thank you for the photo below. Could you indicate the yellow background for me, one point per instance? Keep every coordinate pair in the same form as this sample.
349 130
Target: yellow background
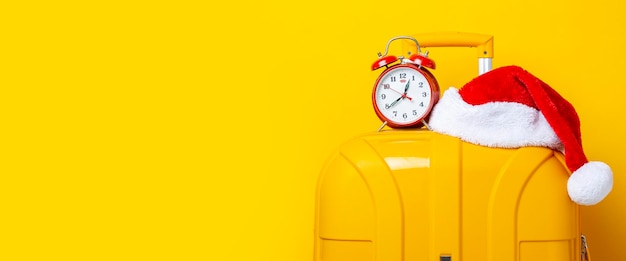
189 130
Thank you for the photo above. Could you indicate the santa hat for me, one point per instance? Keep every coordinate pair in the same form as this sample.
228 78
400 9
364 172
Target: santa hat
510 108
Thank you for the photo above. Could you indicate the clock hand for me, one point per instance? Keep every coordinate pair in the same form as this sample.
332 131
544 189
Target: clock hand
403 94
393 103
406 87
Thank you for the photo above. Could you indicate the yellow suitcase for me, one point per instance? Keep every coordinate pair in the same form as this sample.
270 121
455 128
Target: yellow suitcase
416 195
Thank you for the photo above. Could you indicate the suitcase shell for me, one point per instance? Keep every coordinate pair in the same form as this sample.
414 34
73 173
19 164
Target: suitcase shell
419 195
416 195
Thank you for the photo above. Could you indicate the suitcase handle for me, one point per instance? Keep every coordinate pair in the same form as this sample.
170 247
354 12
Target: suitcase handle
482 42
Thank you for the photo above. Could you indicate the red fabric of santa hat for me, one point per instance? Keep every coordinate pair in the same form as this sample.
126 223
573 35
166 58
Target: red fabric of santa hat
511 108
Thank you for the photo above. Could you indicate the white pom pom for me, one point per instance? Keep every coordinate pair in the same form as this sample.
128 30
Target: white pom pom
590 183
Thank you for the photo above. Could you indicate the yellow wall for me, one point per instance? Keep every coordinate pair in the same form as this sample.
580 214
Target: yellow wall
195 131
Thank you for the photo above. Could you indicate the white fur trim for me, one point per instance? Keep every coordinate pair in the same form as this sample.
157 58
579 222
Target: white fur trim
493 124
590 183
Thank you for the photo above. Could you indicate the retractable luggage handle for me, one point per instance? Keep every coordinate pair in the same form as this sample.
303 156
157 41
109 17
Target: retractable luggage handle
483 43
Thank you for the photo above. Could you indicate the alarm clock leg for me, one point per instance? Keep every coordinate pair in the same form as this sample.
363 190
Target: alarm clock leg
382 126
426 124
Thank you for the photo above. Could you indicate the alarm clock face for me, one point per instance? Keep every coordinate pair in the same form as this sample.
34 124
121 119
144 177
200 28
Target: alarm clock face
404 96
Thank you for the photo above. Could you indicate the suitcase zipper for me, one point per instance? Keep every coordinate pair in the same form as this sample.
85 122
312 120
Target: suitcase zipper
584 250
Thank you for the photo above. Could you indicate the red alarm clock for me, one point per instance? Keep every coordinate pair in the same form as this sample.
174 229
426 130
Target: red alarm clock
405 92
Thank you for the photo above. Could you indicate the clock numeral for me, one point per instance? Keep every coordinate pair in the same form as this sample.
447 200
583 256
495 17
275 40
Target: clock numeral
383 96
421 104
386 86
420 84
415 111
413 79
387 106
395 113
393 79
404 115
403 76
424 94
